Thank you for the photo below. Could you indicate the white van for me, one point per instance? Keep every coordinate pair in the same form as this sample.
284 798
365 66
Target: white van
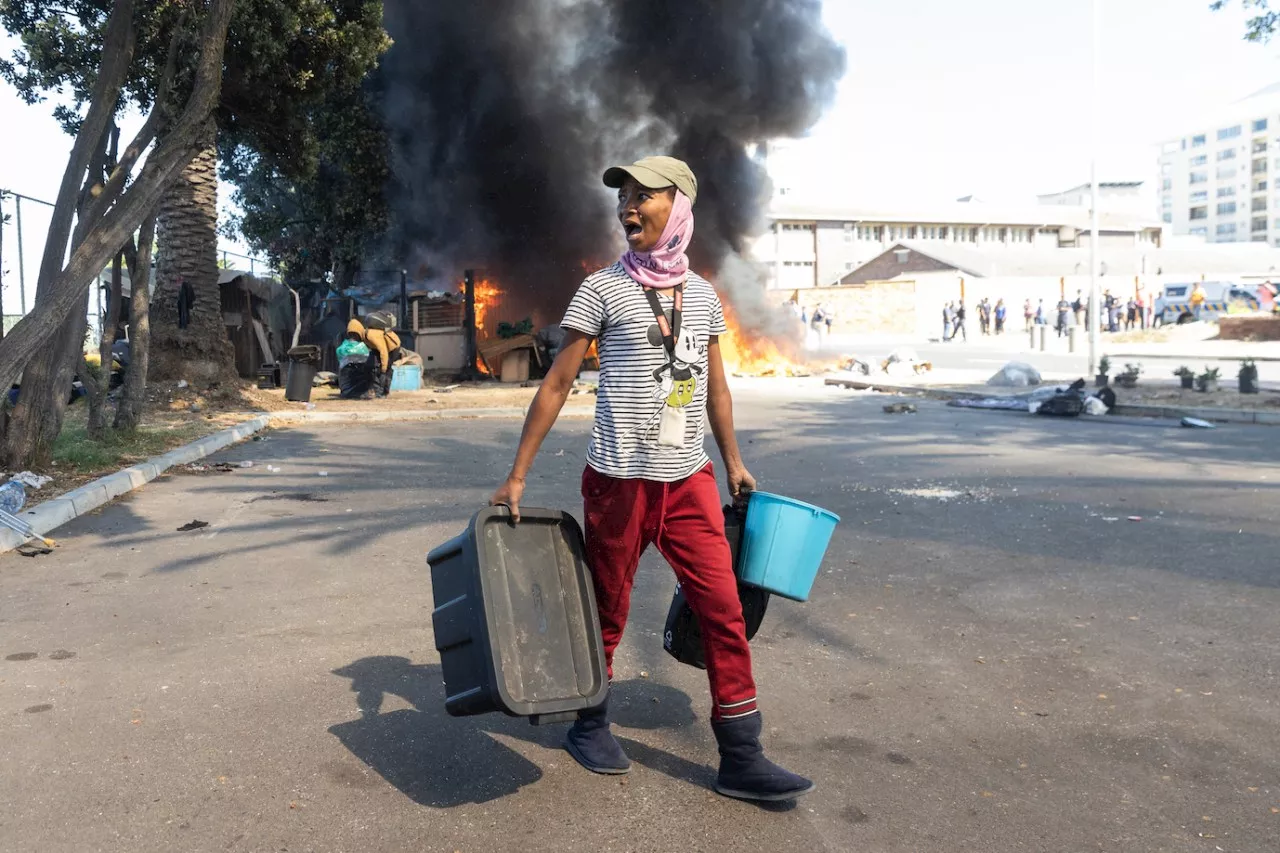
1173 305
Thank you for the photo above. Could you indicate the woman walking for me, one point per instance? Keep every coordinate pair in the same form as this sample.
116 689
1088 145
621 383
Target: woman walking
648 480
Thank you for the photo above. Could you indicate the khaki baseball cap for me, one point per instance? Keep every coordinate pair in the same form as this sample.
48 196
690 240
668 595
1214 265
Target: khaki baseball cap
656 173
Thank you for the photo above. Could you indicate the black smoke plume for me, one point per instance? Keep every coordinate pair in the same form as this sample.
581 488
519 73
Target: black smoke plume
504 113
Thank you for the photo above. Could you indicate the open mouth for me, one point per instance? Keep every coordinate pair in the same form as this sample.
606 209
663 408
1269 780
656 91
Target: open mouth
632 229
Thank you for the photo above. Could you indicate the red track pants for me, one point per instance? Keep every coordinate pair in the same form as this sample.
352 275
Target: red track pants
685 521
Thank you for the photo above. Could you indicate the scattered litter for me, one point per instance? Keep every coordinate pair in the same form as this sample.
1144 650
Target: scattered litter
324 473
1196 423
1015 374
1111 518
33 549
900 409
904 360
32 480
193 525
248 463
195 407
182 383
259 438
1135 518
273 469
308 406
447 388
856 365
1094 406
559 453
13 495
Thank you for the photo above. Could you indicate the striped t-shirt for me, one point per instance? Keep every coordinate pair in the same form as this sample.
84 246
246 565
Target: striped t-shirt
638 378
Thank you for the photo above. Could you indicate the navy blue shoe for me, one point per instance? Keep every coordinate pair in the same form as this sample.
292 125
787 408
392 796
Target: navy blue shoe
745 773
593 746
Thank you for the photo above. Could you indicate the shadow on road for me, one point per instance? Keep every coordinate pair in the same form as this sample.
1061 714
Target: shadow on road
442 761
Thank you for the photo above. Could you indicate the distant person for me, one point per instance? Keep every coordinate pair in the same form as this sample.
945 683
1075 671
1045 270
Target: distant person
1267 293
1077 307
1039 318
984 315
828 317
1027 314
959 324
1001 311
1197 299
948 312
1141 307
1064 311
1130 314
804 315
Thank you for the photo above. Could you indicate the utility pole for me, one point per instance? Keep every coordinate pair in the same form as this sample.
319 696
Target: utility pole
22 271
1093 180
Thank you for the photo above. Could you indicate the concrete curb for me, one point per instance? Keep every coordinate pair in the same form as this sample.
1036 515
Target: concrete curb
1207 413
48 516
1185 357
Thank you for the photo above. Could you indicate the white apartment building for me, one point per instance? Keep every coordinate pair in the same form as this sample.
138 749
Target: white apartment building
813 245
1221 182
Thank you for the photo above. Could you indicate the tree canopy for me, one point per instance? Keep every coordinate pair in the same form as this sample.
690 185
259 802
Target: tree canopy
1262 26
284 59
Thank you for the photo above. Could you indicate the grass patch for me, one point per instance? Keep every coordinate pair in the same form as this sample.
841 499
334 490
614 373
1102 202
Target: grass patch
75 453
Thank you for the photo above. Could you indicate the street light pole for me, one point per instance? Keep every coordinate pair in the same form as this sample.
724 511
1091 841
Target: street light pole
1093 181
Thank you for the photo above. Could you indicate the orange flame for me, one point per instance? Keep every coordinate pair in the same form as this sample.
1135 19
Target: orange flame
486 294
745 354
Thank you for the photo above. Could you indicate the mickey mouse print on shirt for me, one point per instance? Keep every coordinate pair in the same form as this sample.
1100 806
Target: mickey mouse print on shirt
677 377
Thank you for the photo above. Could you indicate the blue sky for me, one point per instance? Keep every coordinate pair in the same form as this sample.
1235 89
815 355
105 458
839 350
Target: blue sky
941 99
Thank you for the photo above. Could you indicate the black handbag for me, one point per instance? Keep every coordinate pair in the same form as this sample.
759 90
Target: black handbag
682 637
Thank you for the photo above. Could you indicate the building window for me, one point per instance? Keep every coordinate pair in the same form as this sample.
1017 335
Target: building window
1199 177
1259 167
848 265
912 232
1226 154
1229 132
1198 213
1167 217
848 232
1260 186
1166 184
1226 208
944 232
1226 229
1259 224
1260 125
1260 146
1199 160
1226 192
1197 141
1259 204
1226 172
1203 195
1199 232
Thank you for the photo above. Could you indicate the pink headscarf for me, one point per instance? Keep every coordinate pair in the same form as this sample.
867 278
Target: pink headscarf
667 265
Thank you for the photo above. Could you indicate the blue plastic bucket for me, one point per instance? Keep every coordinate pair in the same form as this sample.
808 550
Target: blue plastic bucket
406 377
783 543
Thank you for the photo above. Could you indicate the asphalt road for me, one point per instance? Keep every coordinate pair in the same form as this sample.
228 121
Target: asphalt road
994 659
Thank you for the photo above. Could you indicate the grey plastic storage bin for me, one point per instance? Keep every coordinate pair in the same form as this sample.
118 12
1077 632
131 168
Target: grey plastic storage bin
515 618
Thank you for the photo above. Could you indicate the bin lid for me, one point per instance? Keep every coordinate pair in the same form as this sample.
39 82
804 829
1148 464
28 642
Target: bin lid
304 352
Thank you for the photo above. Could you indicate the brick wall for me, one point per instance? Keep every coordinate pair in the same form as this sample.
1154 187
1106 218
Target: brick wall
1249 329
883 307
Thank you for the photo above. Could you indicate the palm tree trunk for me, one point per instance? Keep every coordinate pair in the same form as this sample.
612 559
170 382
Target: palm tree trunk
189 340
133 394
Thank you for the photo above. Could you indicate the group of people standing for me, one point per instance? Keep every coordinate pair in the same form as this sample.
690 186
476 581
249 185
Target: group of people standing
1114 313
989 317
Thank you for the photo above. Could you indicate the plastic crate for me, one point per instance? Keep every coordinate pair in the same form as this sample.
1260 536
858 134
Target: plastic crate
515 617
406 377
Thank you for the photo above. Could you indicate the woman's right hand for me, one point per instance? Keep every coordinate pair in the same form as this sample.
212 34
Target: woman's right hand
509 494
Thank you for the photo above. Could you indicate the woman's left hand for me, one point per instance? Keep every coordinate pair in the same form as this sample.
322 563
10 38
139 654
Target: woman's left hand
741 483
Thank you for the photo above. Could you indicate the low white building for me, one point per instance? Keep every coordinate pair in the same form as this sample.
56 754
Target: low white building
814 245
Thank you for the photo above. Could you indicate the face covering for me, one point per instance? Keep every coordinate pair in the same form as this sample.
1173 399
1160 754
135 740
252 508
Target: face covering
668 264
